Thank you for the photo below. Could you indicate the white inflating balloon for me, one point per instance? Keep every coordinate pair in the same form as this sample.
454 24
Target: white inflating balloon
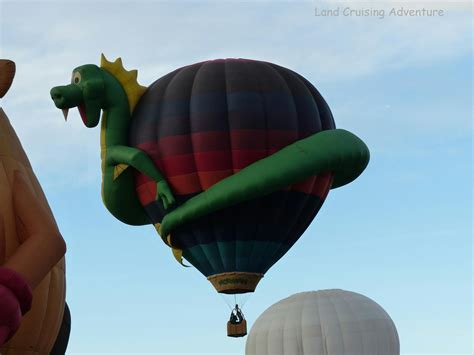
327 322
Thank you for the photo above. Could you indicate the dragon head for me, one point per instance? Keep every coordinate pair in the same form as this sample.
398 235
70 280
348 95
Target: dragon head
94 88
86 92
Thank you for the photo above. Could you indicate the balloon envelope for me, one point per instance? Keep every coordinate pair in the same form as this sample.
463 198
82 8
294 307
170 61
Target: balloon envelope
327 322
206 121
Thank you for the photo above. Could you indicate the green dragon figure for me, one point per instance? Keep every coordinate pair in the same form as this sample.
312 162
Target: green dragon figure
93 90
115 91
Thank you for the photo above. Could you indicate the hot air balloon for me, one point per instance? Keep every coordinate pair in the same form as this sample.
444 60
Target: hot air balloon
326 322
231 158
205 122
7 70
34 316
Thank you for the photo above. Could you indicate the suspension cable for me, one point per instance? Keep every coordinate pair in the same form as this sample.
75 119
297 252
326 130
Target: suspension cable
225 300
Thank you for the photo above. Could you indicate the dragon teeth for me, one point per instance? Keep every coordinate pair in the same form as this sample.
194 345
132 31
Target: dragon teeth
65 112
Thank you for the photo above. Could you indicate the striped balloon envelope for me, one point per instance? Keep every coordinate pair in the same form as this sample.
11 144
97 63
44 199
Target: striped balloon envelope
206 121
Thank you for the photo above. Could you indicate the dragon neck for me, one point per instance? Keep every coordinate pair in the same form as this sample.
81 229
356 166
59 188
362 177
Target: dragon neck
116 115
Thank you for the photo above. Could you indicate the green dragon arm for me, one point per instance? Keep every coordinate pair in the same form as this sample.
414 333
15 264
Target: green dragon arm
335 150
120 154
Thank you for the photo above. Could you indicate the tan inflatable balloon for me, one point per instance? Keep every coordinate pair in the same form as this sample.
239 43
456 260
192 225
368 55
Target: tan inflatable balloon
7 73
30 242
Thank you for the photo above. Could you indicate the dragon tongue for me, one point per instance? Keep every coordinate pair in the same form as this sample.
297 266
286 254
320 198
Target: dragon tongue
82 112
65 112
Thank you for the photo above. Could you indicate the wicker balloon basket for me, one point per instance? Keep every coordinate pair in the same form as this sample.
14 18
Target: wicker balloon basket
237 330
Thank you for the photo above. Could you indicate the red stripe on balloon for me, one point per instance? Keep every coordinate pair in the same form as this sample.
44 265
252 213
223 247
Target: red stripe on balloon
210 141
323 184
207 179
305 186
248 139
280 139
212 161
185 184
197 182
146 192
195 162
245 139
177 165
243 158
209 161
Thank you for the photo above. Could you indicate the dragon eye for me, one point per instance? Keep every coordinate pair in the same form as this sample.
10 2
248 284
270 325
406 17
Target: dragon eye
76 77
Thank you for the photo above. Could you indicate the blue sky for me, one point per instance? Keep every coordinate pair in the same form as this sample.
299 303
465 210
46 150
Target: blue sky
401 234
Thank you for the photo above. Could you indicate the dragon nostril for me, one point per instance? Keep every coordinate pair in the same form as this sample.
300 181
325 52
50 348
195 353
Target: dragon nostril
56 94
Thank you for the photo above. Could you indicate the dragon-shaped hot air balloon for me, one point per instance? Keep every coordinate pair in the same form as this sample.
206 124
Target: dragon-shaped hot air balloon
229 159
